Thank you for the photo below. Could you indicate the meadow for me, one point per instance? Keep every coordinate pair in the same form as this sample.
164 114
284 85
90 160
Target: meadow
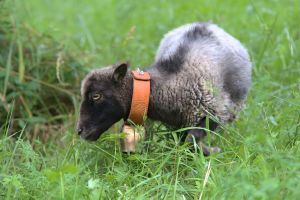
46 48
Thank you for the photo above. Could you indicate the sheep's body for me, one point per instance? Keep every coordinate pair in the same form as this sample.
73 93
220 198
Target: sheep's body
198 69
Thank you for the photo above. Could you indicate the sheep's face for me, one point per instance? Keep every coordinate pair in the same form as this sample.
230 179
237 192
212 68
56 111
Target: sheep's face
101 104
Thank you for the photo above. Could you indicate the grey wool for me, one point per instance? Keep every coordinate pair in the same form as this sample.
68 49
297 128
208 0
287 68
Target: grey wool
199 71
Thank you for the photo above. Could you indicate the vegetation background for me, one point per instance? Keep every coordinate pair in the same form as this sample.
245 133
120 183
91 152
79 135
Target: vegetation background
46 47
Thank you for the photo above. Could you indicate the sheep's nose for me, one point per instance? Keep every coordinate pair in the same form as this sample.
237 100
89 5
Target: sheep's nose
79 131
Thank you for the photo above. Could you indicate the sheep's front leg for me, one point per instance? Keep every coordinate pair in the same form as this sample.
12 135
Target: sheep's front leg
198 135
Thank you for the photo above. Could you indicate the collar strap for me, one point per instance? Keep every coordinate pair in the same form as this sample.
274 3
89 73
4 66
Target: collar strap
140 96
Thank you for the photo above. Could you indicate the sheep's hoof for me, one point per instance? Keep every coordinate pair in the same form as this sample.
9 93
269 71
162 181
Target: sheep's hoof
207 150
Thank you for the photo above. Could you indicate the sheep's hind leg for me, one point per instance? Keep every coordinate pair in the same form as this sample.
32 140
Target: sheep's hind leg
198 135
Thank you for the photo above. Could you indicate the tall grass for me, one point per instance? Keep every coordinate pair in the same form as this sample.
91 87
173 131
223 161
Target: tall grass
46 47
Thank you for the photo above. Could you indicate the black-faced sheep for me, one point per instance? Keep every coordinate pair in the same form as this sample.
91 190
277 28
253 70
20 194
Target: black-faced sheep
199 71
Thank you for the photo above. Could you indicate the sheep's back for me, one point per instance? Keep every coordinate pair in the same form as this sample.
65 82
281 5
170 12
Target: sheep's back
208 70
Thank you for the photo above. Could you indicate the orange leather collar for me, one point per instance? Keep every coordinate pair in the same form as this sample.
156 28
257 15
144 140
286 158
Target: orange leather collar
140 96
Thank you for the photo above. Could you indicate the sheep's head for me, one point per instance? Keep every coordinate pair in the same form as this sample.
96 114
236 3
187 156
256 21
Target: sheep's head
105 97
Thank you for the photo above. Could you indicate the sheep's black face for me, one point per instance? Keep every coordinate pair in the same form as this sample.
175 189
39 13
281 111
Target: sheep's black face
101 104
96 116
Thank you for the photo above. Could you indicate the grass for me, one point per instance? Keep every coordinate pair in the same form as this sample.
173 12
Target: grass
46 47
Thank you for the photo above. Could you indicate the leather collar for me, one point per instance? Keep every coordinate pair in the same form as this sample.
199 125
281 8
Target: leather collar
140 96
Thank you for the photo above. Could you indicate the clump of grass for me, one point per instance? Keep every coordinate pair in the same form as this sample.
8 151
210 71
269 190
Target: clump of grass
38 76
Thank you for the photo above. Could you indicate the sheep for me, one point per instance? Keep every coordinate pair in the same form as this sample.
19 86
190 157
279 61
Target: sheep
200 74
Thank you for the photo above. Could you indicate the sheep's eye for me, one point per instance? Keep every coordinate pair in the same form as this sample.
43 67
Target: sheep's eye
96 97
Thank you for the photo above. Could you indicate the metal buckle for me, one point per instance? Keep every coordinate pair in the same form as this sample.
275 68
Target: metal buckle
141 72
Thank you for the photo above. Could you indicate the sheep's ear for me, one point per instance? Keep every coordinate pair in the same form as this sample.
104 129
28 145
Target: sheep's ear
120 71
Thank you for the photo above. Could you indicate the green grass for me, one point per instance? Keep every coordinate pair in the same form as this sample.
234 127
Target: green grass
46 47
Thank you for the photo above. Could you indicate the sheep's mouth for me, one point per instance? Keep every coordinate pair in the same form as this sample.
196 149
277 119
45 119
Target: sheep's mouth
90 136
93 134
